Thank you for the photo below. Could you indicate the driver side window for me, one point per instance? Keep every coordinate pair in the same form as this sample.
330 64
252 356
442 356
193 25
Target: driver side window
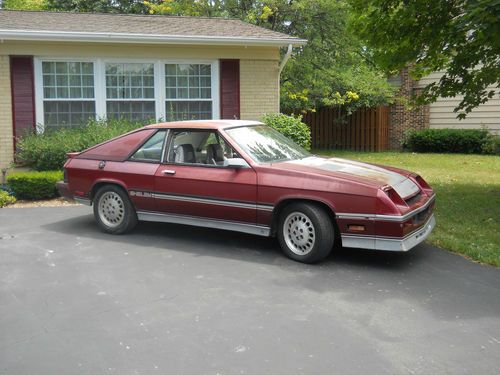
202 147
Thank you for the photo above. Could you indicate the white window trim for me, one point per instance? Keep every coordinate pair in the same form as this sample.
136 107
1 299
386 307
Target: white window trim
100 84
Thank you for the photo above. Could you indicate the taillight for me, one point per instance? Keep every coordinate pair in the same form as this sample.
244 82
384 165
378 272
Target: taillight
65 175
422 182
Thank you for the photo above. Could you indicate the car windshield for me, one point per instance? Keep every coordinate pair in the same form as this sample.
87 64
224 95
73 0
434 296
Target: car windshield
265 145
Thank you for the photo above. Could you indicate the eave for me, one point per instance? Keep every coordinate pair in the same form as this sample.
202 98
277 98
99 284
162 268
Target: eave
97 37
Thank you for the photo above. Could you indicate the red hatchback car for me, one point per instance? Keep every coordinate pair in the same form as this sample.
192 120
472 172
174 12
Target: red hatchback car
244 176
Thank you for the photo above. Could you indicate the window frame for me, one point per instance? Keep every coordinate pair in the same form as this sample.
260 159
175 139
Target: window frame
39 93
100 98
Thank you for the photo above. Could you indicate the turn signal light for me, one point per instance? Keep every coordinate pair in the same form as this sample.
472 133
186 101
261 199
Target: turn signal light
356 228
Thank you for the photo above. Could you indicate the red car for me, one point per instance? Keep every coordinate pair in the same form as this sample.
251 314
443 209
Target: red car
244 176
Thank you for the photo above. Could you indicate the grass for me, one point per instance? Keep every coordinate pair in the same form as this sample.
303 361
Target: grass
467 197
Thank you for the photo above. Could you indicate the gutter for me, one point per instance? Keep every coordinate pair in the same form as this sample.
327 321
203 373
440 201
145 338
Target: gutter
78 36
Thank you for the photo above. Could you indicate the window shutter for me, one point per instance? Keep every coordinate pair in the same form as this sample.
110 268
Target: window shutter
23 94
230 89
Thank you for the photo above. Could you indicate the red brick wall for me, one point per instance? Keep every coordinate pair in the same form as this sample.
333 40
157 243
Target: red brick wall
401 117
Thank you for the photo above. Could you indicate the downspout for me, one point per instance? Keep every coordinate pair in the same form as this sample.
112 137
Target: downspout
285 59
282 65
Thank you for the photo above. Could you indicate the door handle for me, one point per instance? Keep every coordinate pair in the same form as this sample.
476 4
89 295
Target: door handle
168 172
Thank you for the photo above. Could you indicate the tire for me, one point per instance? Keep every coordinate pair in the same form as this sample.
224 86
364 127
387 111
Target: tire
305 232
113 210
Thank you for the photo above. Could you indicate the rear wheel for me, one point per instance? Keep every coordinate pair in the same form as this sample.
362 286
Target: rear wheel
305 232
113 210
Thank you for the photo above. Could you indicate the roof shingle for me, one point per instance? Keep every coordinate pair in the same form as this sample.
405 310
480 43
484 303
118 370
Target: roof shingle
202 28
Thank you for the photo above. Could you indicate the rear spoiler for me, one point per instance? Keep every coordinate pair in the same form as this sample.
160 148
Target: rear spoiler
71 155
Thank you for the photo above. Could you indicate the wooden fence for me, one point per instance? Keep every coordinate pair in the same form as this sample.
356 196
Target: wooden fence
365 130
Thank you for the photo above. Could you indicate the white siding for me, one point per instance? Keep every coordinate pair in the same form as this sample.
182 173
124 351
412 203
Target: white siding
441 113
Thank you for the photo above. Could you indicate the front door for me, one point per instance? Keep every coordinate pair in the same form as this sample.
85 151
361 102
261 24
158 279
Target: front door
194 182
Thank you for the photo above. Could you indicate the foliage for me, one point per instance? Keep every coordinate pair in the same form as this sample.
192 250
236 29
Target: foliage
47 151
291 127
6 198
34 185
101 6
333 68
469 141
492 146
467 199
23 4
457 37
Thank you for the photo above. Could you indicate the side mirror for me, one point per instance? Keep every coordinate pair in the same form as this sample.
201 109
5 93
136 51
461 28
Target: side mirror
235 163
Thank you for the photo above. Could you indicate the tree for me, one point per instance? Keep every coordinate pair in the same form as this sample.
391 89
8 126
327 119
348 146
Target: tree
459 37
333 68
102 6
23 4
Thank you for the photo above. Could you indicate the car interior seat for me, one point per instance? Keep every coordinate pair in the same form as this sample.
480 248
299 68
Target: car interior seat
185 154
215 154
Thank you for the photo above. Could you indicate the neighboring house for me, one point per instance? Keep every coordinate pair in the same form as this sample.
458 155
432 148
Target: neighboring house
441 113
60 69
437 115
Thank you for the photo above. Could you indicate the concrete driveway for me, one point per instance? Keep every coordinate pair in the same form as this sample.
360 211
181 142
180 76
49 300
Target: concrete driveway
170 299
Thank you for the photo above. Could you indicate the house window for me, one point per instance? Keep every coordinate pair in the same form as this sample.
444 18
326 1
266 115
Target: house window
130 92
68 93
188 92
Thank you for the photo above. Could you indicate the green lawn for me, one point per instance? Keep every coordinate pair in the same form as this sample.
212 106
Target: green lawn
468 197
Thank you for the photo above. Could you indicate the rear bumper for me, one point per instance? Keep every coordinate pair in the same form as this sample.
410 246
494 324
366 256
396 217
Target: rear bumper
64 191
390 243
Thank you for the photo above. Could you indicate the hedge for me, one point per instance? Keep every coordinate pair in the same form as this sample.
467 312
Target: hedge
34 185
291 127
465 141
47 151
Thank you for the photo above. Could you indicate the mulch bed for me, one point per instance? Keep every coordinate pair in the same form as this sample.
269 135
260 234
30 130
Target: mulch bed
43 203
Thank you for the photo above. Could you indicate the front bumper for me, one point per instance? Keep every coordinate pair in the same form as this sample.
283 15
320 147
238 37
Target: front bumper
390 243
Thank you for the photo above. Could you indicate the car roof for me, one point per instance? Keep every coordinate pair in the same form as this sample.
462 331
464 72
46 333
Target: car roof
204 124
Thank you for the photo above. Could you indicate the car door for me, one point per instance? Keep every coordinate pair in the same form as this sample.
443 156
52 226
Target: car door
138 172
194 182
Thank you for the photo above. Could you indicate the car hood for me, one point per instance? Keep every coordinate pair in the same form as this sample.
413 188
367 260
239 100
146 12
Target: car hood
353 170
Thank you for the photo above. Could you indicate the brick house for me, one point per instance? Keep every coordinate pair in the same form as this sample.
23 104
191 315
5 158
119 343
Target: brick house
437 115
60 69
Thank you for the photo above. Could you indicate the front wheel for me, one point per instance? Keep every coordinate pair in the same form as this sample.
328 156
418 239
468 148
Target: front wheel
305 232
113 210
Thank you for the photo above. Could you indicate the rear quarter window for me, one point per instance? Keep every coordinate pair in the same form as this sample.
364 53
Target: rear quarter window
117 149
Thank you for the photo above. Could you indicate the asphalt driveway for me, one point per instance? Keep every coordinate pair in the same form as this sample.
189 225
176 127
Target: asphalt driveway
169 299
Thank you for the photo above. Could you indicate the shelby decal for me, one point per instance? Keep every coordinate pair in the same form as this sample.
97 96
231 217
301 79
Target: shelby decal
141 194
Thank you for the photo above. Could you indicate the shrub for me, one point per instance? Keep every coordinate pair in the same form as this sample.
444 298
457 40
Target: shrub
447 140
492 146
291 127
34 185
6 198
47 151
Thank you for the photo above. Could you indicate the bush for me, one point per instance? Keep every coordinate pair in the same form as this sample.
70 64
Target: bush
492 146
34 185
47 151
291 127
6 198
447 140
